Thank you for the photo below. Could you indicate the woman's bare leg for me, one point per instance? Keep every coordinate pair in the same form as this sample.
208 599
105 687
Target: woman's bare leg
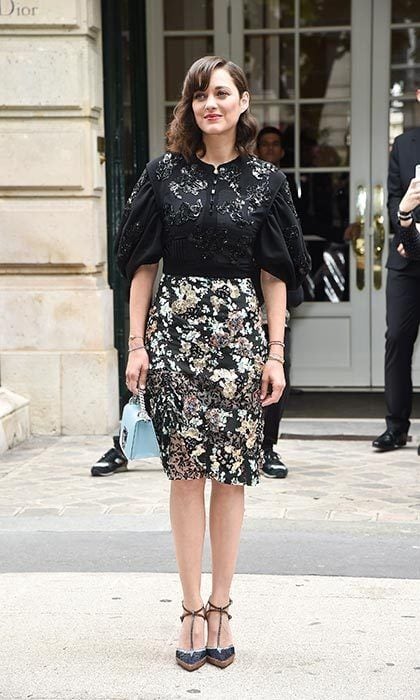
188 520
226 516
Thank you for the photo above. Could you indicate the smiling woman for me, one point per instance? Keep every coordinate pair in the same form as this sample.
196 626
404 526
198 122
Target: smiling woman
224 223
215 100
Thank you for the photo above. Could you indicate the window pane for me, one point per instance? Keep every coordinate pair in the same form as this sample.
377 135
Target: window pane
180 53
276 14
325 65
402 116
405 62
325 135
283 118
188 14
405 11
324 213
325 13
269 66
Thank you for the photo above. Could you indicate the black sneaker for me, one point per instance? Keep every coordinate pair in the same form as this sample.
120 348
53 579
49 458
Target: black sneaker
111 462
273 467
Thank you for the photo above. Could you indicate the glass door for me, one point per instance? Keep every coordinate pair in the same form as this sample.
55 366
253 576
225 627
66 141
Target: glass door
307 64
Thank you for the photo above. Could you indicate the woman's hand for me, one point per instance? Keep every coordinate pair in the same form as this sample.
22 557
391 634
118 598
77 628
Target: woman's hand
273 374
411 199
136 372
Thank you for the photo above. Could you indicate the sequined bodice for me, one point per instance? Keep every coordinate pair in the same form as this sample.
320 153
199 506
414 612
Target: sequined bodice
211 217
233 221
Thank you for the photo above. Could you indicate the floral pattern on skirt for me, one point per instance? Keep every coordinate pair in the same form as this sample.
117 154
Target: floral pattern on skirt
207 350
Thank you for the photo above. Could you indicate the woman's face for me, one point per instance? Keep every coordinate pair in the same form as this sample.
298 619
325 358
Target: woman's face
218 108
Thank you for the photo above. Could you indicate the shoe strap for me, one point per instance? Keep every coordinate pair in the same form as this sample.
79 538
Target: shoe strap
194 614
222 610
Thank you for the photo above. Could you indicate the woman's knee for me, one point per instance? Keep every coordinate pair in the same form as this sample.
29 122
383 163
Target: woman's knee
227 491
188 488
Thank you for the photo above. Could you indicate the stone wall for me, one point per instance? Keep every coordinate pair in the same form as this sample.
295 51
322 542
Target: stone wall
56 334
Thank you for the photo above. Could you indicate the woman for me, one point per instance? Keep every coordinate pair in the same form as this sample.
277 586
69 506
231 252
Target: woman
215 214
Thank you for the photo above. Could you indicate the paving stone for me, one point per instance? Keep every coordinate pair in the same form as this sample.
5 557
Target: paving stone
40 511
352 517
345 478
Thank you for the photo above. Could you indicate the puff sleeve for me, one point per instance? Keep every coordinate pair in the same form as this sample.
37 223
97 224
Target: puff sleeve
139 238
280 248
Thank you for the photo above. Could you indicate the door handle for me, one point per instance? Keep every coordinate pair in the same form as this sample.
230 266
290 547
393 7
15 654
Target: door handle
358 242
378 234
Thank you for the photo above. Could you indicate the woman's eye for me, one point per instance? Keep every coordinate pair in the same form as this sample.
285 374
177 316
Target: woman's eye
222 93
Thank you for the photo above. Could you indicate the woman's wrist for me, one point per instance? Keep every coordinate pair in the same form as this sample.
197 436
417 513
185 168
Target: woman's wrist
136 347
275 358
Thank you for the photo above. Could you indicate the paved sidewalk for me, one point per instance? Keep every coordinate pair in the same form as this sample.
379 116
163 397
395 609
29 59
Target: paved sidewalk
326 599
337 480
112 637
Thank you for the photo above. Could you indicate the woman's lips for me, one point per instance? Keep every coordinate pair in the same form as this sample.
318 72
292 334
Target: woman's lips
213 117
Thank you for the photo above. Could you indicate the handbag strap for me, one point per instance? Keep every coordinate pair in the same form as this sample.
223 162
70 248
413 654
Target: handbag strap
139 401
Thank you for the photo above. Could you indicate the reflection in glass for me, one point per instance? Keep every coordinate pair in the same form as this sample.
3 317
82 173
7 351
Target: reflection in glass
275 14
403 115
188 14
325 135
324 213
269 66
405 61
405 11
283 118
325 13
325 65
180 53
280 116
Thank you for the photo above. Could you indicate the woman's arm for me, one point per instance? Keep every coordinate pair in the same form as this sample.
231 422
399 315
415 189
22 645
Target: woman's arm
140 297
274 291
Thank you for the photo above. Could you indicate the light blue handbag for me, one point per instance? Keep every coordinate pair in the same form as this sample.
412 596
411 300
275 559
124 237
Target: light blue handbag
137 434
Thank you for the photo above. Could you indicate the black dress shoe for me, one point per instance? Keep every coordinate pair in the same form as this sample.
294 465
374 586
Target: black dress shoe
111 462
390 441
273 467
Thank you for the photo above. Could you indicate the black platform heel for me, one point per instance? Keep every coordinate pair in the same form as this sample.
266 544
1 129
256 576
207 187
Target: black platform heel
193 658
220 656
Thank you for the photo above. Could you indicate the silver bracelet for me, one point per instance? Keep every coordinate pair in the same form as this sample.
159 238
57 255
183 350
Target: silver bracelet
131 337
277 359
138 347
404 215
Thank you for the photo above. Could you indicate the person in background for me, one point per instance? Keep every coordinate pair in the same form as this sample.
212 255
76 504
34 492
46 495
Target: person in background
403 288
112 461
269 147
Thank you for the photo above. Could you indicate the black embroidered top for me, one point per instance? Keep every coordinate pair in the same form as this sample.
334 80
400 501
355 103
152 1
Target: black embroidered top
226 223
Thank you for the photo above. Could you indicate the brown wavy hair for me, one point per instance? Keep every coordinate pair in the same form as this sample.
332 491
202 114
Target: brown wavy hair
183 134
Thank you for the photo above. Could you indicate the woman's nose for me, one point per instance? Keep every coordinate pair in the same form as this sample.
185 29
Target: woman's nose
210 102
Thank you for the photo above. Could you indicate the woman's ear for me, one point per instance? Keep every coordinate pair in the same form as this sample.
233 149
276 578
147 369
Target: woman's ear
244 102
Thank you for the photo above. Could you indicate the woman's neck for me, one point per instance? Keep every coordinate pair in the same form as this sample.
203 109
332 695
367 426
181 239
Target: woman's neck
219 150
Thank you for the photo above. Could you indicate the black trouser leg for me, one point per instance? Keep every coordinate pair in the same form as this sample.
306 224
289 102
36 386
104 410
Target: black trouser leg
403 316
273 413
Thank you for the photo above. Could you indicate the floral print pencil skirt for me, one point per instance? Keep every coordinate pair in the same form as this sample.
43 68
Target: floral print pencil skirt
207 349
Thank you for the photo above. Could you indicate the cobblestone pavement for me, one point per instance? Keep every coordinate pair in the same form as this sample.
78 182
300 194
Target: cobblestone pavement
338 480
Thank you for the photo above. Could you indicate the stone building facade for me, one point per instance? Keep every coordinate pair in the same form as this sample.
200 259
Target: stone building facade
338 79
58 365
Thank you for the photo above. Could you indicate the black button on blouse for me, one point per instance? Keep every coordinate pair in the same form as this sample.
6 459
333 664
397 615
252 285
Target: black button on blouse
230 222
